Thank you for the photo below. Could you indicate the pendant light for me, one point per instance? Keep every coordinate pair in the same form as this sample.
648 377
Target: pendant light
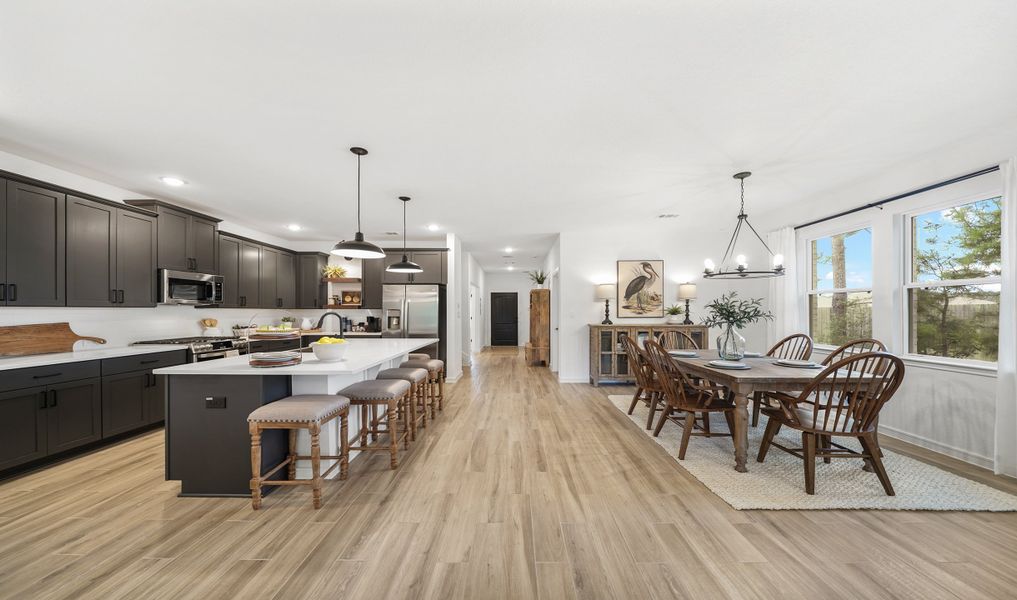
405 265
741 268
358 248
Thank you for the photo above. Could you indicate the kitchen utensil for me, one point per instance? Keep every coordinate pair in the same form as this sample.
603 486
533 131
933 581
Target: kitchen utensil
41 338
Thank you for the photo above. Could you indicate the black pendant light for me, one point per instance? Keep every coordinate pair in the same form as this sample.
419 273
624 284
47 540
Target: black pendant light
358 248
741 268
405 265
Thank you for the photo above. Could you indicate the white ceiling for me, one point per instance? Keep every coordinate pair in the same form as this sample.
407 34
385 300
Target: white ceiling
506 121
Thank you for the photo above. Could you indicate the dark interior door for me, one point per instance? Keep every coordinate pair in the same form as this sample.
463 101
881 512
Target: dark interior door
504 319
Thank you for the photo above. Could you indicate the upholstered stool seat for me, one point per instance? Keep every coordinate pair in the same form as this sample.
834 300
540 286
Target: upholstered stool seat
419 356
418 392
310 412
435 381
394 396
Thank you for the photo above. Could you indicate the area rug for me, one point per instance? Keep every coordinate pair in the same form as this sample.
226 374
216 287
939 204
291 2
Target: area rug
779 482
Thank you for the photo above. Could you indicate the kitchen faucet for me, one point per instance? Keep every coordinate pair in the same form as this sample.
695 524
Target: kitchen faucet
322 320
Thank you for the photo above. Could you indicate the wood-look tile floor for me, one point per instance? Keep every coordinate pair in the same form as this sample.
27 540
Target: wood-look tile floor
523 488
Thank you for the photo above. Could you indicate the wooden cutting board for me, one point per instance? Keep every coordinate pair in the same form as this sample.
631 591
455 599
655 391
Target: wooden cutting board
42 338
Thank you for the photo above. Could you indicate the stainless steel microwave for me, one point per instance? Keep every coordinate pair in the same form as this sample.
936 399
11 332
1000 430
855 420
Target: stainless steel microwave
183 287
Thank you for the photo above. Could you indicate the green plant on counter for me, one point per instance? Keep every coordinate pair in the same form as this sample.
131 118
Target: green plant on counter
728 310
333 272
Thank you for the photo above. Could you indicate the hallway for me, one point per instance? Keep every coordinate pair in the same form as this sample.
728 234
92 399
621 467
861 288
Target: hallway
523 488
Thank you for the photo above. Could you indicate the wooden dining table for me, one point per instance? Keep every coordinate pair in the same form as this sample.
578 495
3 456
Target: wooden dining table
763 376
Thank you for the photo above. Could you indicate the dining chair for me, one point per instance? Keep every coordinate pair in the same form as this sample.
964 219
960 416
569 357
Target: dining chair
648 388
796 346
696 399
842 401
672 339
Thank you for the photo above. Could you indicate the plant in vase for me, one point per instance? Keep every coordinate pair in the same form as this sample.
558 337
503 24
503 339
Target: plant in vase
673 313
538 277
733 314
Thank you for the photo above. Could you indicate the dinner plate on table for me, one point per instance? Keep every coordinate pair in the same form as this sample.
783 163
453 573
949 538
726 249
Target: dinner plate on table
797 364
728 364
683 353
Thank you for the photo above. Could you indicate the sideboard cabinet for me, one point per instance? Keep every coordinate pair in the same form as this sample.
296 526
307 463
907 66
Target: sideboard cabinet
608 361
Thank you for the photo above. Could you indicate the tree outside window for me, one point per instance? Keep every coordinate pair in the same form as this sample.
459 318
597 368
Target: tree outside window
840 291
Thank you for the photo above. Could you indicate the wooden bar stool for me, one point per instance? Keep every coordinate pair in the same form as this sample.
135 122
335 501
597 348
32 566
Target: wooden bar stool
418 392
394 396
435 379
308 412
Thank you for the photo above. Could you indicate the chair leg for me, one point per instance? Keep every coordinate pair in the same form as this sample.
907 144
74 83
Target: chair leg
757 399
825 445
706 423
393 437
690 421
363 425
654 398
315 465
664 414
772 427
421 402
434 397
375 421
635 399
255 465
441 390
871 447
410 426
291 472
809 451
729 417
344 444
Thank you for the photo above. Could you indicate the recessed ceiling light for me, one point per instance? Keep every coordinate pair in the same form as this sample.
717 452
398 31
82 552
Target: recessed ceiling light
173 181
433 227
511 268
294 227
508 248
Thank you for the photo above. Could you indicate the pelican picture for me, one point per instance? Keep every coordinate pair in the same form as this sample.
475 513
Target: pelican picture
640 288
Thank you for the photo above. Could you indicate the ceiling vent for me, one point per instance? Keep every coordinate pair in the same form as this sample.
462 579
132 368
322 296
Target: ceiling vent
668 216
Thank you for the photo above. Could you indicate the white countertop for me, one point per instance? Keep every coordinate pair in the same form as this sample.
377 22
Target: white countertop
42 360
361 356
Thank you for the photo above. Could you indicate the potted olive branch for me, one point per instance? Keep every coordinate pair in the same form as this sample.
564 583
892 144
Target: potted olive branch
733 314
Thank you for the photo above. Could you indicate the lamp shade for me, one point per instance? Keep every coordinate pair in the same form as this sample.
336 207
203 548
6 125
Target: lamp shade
605 291
686 291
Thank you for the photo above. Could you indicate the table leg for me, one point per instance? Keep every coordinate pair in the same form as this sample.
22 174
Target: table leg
741 432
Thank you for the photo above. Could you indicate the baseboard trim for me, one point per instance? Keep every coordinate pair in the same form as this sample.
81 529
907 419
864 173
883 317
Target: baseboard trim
573 379
959 453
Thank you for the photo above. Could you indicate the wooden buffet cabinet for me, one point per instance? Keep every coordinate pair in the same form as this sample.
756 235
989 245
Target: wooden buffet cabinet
608 361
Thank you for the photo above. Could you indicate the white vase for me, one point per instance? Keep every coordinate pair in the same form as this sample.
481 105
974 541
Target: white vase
674 320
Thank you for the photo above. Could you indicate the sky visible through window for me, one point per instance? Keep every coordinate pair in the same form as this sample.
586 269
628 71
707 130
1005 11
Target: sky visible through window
857 260
937 233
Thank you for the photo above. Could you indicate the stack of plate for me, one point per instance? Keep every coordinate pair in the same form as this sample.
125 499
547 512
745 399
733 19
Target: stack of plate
728 364
274 335
274 359
798 364
683 353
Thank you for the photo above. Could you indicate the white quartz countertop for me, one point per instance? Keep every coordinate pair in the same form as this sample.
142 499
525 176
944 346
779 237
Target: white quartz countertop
361 356
42 360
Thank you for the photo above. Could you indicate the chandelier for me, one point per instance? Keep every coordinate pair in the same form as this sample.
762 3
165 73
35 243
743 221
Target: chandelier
740 269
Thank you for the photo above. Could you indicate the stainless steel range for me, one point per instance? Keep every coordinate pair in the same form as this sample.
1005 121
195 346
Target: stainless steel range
200 348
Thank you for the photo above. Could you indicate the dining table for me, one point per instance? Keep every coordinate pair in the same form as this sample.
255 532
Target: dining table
763 375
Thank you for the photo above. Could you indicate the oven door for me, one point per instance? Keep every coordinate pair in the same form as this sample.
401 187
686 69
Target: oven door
204 356
182 287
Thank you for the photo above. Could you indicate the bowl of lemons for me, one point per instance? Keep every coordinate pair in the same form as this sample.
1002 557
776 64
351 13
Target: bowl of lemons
329 349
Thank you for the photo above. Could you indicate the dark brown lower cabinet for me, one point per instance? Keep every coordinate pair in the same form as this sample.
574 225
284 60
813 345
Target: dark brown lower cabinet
125 402
22 426
39 421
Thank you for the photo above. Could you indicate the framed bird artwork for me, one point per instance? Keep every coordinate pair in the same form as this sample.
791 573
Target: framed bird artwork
640 289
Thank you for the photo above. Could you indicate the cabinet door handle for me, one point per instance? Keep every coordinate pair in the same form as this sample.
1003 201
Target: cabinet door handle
3 292
120 296
150 361
13 292
52 398
112 296
243 300
42 400
47 376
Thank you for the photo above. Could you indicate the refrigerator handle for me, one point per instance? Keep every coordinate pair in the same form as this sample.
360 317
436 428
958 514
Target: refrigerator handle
404 322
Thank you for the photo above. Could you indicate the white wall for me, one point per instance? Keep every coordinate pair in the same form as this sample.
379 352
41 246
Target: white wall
456 296
505 281
552 268
476 281
588 258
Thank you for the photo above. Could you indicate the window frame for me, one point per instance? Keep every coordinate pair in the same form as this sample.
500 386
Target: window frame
806 246
907 281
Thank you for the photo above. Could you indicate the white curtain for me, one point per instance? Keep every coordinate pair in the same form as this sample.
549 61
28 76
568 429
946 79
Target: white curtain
784 299
1006 382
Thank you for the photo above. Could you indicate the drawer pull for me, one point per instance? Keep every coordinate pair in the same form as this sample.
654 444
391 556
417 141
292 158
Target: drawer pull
46 376
150 361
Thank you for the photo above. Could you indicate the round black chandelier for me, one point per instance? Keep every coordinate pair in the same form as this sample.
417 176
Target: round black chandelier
740 269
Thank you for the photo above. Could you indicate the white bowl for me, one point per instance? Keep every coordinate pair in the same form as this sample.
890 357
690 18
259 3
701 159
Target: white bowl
329 352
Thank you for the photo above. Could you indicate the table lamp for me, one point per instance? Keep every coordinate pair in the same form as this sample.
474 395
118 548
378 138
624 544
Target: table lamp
605 291
687 292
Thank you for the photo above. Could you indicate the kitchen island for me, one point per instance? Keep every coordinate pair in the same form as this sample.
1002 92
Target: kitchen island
207 403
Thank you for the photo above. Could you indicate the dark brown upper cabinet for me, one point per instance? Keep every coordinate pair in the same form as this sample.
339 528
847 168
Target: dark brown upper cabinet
111 255
311 289
229 268
268 286
431 261
187 240
286 280
372 274
250 274
32 246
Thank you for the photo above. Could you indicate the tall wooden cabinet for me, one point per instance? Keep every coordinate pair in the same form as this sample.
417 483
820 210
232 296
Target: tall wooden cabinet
608 361
538 350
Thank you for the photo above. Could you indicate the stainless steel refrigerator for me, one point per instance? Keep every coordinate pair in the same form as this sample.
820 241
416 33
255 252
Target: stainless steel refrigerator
415 311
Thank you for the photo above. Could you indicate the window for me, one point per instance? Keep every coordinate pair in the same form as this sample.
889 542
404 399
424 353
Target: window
954 282
840 289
